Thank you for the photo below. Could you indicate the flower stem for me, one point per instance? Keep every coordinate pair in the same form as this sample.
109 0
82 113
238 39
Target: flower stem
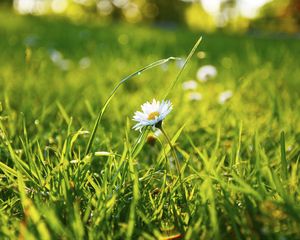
159 126
172 151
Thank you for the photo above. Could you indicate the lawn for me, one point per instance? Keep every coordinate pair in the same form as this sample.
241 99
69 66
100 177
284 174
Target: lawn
238 158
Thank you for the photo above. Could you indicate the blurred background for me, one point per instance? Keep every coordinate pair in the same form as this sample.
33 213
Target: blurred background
205 15
53 50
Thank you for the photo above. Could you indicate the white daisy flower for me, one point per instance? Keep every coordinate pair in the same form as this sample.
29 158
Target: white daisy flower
56 56
206 72
152 114
180 62
225 96
189 85
58 59
195 96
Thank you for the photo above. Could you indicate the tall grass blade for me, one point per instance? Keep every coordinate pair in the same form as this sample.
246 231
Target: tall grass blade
173 84
284 169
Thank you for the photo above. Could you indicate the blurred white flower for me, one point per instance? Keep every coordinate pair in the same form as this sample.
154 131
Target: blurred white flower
206 72
58 59
195 96
152 114
180 62
225 96
189 85
56 56
84 62
164 67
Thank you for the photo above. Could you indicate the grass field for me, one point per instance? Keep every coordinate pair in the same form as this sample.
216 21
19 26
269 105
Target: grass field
239 160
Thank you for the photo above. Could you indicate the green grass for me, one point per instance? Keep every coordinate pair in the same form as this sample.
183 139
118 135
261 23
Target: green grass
239 160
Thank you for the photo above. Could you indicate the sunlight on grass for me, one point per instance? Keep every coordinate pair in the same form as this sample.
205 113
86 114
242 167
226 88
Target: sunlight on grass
223 165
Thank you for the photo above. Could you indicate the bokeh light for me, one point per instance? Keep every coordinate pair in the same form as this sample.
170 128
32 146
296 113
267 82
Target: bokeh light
207 15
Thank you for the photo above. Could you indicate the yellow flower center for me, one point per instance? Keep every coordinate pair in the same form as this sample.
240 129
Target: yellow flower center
153 115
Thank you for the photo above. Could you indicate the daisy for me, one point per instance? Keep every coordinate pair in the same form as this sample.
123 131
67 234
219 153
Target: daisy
195 96
225 96
180 62
189 85
206 72
58 59
152 114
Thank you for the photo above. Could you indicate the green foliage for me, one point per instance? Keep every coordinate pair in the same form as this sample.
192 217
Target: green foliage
239 160
279 16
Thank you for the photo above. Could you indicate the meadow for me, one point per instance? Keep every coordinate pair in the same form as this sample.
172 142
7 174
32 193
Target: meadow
238 157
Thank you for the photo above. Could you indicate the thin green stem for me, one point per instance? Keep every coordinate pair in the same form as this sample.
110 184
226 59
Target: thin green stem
159 125
172 151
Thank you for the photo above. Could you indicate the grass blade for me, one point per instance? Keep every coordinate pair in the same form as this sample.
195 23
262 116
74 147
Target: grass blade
173 84
284 169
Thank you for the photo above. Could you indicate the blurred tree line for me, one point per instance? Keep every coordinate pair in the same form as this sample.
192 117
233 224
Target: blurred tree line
171 11
8 3
277 15
280 15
